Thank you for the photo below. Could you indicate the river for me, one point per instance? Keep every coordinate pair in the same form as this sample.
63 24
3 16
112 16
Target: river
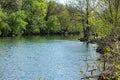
45 57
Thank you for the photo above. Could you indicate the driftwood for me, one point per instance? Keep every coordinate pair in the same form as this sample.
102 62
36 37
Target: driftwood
92 71
101 75
95 76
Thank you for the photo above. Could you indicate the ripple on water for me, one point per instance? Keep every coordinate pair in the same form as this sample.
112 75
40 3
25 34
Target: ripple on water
29 59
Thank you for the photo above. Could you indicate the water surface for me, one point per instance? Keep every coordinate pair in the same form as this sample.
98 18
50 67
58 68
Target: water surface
50 57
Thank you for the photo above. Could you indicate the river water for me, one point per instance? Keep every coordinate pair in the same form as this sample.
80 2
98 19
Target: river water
44 57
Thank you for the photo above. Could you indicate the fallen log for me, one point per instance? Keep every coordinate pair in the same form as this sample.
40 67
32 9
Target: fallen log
101 75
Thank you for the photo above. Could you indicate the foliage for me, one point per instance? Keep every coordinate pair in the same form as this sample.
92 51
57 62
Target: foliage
20 17
35 11
97 19
4 28
102 20
11 5
53 24
101 28
17 22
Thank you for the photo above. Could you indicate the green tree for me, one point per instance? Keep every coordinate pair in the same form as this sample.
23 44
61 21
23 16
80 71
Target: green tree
64 19
52 8
4 28
11 5
17 23
35 10
53 25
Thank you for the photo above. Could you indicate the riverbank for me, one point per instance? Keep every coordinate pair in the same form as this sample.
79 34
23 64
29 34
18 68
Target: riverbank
42 34
109 48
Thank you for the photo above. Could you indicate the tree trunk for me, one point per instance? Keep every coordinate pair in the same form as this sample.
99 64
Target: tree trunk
87 29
